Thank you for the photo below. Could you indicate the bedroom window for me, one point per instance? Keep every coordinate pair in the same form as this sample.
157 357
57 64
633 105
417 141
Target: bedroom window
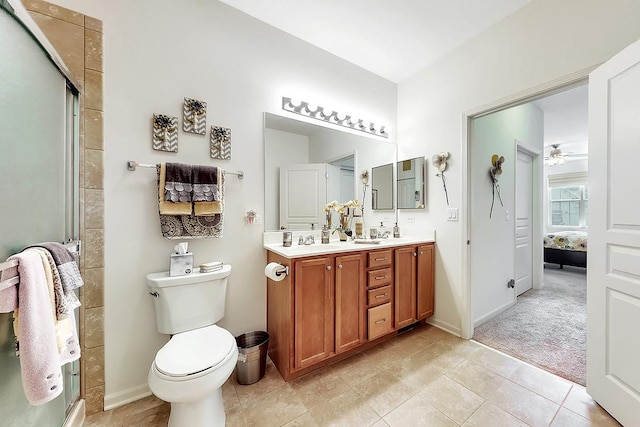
568 200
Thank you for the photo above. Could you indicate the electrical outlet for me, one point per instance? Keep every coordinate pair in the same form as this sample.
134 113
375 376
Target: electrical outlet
411 219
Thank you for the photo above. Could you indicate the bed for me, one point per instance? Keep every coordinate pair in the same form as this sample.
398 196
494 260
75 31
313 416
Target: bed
566 248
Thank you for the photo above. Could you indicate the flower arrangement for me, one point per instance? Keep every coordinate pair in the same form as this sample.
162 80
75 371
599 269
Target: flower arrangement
345 212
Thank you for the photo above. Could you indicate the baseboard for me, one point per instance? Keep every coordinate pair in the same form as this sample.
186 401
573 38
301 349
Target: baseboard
493 313
448 327
114 400
76 415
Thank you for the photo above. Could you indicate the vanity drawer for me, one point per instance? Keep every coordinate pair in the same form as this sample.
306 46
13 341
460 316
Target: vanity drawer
380 321
379 278
380 258
379 295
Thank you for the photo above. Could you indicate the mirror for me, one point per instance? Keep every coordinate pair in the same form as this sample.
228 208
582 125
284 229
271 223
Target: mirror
382 187
411 183
298 146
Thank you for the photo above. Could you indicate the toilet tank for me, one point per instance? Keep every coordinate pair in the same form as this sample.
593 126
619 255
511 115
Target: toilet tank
183 303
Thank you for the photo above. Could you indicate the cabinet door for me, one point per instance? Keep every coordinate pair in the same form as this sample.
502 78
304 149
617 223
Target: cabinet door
313 306
405 286
425 285
350 304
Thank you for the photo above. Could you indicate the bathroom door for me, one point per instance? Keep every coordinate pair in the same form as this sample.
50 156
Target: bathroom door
303 195
38 189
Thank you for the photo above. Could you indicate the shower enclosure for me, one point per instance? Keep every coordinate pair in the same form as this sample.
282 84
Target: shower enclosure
38 184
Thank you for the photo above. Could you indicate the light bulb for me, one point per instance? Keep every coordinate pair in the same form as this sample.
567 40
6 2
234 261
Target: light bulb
295 103
325 113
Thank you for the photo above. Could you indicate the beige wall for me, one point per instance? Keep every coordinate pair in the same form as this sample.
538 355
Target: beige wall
544 41
156 52
78 40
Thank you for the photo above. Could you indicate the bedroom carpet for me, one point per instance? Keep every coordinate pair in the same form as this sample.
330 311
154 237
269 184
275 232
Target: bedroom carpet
547 326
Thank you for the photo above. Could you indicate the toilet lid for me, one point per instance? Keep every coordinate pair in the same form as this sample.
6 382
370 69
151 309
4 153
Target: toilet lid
194 351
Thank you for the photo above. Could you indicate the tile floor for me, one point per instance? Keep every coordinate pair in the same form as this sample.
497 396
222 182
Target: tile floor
424 377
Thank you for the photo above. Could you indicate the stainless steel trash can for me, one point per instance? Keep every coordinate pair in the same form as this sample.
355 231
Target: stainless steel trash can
252 356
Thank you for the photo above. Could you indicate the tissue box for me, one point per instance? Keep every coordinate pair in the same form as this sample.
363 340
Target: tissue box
181 264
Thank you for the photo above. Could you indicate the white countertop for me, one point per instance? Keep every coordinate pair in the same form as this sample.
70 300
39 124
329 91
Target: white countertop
336 246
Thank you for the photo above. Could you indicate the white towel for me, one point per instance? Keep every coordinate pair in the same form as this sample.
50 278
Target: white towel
39 357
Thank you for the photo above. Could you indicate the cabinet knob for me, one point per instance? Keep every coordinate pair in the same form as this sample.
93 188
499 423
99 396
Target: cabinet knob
421 252
415 254
339 265
328 267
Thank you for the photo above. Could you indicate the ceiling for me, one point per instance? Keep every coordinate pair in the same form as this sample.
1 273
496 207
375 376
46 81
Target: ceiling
393 39
566 120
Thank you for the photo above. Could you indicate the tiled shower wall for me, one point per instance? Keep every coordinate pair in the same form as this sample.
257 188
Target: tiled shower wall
78 40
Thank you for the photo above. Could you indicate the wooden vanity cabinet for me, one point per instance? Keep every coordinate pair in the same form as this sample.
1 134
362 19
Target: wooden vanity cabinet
330 306
414 284
425 286
379 293
313 305
317 311
350 295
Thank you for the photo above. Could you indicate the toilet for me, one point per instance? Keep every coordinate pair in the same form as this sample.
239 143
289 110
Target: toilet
191 368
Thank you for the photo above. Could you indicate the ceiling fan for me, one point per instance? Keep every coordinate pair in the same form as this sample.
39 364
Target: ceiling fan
557 157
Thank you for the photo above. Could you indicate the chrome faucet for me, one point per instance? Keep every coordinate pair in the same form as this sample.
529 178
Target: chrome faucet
309 240
301 240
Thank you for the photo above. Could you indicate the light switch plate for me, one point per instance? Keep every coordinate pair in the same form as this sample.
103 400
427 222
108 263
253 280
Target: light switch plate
452 214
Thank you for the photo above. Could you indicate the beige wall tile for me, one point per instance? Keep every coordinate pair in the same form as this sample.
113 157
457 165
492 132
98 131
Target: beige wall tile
94 366
94 248
93 89
53 10
67 39
93 287
94 399
94 327
94 208
94 169
93 129
93 24
93 50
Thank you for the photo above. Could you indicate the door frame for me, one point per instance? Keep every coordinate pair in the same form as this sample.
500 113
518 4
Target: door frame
549 88
537 215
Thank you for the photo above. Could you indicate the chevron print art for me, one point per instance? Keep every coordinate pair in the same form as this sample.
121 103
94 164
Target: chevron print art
165 133
194 116
220 143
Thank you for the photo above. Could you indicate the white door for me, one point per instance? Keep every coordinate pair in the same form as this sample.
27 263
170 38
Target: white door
613 271
524 222
303 195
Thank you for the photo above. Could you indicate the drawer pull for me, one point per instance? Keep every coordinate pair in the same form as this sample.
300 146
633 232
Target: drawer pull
415 254
328 267
339 265
381 259
382 295
381 277
381 321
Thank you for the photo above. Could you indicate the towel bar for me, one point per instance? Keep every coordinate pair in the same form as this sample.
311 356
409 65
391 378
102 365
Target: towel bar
132 165
72 246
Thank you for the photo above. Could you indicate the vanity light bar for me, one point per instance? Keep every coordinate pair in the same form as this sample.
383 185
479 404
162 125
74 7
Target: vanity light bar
308 109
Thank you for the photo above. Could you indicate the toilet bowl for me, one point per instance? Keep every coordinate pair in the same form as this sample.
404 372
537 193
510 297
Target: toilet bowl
189 372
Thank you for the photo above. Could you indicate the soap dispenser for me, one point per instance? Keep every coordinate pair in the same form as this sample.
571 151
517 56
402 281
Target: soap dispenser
396 231
382 231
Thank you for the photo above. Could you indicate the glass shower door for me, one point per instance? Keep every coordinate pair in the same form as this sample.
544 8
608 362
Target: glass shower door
38 187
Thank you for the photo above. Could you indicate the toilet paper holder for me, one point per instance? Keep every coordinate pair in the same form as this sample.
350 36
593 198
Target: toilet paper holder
284 270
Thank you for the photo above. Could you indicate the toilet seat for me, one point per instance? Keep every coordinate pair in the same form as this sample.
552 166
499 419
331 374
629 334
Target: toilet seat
192 352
